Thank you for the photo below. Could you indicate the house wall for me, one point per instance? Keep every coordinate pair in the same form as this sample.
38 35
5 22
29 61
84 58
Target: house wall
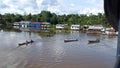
16 24
45 26
60 26
75 27
34 25
94 31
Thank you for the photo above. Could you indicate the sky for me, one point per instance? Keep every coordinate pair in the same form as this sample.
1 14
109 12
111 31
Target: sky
59 7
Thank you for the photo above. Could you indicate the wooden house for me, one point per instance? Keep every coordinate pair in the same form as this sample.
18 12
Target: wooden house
45 25
35 24
39 25
95 29
111 32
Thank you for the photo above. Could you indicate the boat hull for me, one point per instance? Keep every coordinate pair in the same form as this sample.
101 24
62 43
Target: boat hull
93 41
26 43
70 40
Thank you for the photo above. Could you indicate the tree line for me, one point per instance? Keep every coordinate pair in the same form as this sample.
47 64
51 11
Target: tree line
47 16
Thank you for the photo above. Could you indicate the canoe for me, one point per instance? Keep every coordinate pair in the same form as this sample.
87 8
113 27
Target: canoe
20 44
94 41
70 40
26 43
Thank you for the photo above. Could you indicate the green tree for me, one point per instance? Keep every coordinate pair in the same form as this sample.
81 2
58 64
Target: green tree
46 15
18 18
54 19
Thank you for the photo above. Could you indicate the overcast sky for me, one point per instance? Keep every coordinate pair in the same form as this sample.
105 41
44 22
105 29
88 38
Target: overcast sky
56 6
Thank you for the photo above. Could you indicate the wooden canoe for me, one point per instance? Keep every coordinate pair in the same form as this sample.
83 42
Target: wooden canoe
94 41
70 40
26 43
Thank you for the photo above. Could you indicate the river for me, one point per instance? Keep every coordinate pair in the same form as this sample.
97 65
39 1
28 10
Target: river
52 52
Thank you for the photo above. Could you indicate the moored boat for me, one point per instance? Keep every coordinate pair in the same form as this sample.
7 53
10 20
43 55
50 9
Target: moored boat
70 40
94 41
26 43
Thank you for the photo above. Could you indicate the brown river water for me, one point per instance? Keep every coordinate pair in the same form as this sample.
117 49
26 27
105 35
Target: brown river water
52 52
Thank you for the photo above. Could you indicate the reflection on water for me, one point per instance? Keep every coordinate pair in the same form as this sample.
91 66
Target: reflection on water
52 52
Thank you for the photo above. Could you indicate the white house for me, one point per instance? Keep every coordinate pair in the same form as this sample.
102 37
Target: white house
21 23
16 23
60 26
24 23
75 27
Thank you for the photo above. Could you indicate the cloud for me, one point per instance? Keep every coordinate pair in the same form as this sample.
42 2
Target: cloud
91 1
56 6
50 2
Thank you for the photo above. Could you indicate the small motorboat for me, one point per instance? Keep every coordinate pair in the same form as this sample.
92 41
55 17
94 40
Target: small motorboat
94 41
70 40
